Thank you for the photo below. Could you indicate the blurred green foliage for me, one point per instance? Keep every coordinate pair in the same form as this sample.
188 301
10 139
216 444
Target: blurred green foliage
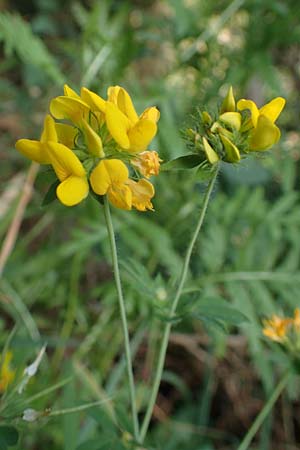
57 286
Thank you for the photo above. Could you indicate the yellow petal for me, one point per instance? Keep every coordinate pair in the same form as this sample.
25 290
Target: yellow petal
66 134
112 94
233 119
118 125
211 155
72 190
142 192
49 131
93 140
69 108
34 150
265 134
107 173
228 104
68 92
272 109
95 102
151 113
125 104
249 104
141 135
232 152
64 161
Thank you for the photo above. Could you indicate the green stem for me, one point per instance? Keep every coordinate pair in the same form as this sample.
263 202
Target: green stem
112 240
166 334
264 413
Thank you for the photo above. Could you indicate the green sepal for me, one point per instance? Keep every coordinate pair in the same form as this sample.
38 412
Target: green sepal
183 162
51 194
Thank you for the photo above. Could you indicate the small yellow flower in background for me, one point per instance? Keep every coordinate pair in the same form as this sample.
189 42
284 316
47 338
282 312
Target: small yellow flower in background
276 328
7 374
285 330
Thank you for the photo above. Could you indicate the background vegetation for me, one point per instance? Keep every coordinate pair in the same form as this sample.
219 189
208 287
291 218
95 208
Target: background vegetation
57 285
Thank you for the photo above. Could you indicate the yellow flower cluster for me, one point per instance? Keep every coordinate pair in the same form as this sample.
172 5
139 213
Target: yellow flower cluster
7 375
282 329
237 132
90 144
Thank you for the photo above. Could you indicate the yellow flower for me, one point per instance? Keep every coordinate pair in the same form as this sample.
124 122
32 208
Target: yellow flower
265 133
70 172
147 163
111 177
276 328
6 373
130 131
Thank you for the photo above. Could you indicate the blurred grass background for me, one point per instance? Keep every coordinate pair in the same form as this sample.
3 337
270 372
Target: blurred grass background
57 285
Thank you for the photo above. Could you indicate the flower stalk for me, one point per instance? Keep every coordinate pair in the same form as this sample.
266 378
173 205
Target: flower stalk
167 329
128 357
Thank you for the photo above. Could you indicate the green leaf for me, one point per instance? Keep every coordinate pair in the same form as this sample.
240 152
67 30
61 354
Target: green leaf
184 162
217 309
51 194
8 436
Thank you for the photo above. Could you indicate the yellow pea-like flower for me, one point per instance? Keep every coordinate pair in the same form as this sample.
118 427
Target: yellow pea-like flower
265 133
73 187
132 132
109 177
